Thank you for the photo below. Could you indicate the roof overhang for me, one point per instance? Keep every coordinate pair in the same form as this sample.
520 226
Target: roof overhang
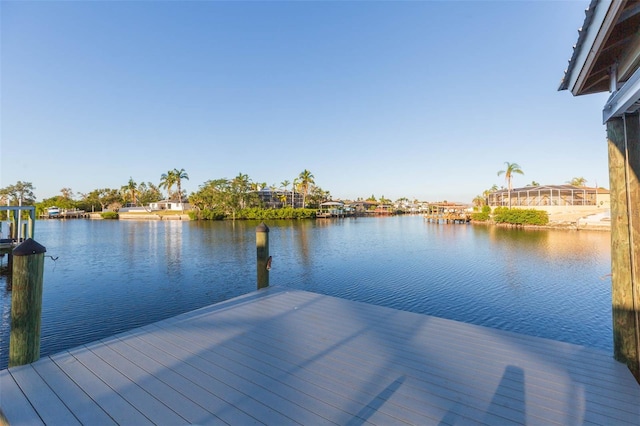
607 55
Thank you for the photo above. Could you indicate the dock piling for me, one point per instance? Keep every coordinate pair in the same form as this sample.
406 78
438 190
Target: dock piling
26 303
263 258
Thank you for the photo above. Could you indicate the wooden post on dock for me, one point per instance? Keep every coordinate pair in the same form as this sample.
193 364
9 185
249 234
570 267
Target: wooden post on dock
262 250
26 303
623 134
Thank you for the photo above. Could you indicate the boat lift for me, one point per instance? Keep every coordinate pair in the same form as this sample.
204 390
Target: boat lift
19 230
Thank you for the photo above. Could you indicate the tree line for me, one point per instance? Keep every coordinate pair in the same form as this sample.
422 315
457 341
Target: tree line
226 195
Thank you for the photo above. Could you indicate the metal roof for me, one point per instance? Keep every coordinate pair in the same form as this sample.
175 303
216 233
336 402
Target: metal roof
609 40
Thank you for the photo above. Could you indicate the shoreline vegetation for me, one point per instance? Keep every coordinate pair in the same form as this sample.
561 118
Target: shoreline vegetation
569 221
241 198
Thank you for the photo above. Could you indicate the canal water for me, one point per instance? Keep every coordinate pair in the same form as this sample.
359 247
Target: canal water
111 276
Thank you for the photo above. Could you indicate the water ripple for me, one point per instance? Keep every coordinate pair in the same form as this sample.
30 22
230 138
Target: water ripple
112 276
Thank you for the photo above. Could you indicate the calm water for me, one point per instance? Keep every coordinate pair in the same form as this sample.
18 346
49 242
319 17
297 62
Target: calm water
111 276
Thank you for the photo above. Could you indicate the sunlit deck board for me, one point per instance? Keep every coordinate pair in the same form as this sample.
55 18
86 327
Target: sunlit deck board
282 356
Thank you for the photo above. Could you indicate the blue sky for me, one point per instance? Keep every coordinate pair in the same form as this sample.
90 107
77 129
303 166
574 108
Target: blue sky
422 100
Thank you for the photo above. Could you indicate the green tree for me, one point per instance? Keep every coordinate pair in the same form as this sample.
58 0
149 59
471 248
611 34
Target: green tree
577 181
283 197
179 176
305 180
167 180
318 196
534 183
104 197
508 175
479 201
148 193
239 193
19 193
67 193
59 201
212 195
130 191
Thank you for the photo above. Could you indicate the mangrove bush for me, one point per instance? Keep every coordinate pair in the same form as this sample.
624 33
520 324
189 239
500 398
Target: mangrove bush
520 216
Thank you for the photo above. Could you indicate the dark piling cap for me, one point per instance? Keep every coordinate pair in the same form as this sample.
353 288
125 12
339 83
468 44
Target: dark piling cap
262 228
27 247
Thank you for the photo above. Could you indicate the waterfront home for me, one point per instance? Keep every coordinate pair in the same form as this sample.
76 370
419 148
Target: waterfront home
552 198
384 209
330 209
170 205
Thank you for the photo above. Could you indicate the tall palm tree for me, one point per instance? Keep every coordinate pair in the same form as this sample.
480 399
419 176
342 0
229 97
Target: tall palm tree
179 175
508 175
285 184
293 192
240 186
131 189
167 180
306 180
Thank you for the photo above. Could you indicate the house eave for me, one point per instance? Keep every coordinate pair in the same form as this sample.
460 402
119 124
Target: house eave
600 18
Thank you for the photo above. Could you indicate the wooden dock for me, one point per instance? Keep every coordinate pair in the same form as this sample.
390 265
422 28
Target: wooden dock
280 357
447 213
67 214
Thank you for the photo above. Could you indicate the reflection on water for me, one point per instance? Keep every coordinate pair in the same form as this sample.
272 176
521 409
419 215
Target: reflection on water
115 275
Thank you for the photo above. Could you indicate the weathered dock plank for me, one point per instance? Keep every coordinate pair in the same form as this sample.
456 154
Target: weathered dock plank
281 356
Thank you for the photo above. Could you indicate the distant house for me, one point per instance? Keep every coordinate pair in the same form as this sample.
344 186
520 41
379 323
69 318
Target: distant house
551 198
169 205
362 207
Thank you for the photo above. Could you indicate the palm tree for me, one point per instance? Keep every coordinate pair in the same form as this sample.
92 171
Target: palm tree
293 192
508 175
306 179
131 189
577 181
19 194
167 180
284 184
479 201
240 186
179 175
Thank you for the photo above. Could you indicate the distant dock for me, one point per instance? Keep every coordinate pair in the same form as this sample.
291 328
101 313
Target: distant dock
66 214
290 357
447 213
